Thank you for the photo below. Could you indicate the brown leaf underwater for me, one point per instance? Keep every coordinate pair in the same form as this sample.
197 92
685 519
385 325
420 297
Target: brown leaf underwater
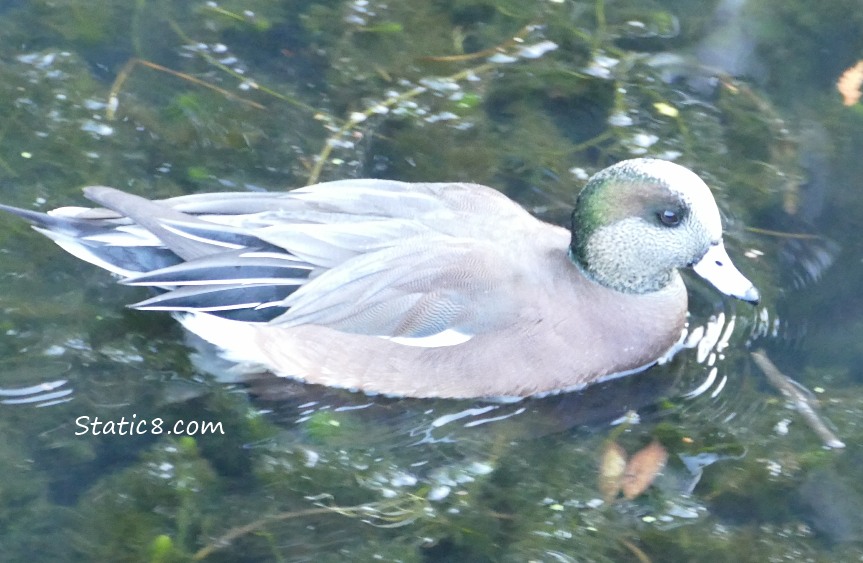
643 468
612 467
849 84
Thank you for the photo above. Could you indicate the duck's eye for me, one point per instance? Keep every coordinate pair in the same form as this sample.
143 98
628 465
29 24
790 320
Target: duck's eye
669 218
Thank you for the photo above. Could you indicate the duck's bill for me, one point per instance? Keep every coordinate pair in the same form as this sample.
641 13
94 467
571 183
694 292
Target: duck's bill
716 267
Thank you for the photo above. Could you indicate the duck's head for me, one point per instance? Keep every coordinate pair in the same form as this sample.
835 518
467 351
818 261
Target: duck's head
636 222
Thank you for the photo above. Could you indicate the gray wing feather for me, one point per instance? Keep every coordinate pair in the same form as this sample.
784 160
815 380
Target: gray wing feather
417 288
232 267
152 216
330 244
252 303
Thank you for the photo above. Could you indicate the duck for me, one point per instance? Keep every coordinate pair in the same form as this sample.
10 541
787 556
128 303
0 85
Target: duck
426 290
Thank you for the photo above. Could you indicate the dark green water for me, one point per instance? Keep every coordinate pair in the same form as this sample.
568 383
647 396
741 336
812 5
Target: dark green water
298 473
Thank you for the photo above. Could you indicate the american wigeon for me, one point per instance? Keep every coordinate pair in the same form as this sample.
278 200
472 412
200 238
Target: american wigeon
420 290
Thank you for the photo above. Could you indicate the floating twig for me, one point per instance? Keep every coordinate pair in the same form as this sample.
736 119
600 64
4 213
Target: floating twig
240 77
801 401
512 41
386 514
782 234
127 69
636 551
225 539
358 117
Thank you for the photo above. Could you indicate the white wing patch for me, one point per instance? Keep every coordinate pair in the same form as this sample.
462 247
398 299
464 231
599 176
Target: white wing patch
448 337
197 238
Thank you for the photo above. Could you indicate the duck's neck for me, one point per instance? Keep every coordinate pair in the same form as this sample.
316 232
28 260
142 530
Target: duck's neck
615 276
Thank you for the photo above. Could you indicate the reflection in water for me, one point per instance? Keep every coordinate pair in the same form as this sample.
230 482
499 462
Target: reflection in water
729 47
695 464
35 382
43 394
832 503
710 340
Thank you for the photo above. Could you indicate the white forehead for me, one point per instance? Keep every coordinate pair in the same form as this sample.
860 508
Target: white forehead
691 189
